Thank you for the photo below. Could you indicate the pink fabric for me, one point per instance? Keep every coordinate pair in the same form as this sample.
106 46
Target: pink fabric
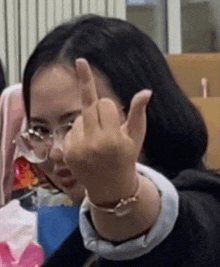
11 118
32 256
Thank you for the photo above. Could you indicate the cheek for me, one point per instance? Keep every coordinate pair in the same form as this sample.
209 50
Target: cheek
46 168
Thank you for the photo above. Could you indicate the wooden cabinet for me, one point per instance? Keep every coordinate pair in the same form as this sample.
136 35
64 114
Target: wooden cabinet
189 69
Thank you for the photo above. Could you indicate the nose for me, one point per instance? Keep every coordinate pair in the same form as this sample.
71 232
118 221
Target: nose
56 150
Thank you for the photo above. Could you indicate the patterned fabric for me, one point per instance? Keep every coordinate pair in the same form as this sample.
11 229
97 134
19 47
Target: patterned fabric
24 174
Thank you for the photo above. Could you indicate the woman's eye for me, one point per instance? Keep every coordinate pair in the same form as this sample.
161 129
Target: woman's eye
41 130
72 120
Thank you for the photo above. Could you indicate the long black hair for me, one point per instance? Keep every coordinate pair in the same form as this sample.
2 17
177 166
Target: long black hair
176 136
2 78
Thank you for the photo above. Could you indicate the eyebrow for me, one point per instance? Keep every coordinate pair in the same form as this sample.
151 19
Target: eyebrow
62 118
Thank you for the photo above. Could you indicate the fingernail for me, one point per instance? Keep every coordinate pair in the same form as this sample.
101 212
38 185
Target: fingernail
149 92
80 59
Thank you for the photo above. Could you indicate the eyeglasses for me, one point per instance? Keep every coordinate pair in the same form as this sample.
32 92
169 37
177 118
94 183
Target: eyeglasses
36 142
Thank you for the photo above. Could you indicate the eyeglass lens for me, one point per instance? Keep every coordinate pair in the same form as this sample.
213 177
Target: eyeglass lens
40 143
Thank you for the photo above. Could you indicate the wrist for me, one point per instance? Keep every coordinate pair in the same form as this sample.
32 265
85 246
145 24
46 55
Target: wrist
120 208
131 219
110 195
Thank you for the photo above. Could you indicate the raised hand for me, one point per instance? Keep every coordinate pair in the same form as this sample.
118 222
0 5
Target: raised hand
100 152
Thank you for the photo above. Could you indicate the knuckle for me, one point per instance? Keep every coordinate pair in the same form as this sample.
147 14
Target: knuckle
110 144
107 103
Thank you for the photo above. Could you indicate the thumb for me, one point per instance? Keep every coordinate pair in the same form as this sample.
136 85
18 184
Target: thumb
135 125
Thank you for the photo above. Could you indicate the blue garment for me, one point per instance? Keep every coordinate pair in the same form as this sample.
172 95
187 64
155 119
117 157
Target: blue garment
54 226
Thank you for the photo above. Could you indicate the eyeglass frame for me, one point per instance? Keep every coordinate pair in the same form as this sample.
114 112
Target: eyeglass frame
20 143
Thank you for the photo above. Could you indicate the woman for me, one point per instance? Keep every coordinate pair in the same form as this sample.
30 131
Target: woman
86 88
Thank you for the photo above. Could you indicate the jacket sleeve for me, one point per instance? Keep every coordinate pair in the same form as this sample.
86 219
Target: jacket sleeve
142 245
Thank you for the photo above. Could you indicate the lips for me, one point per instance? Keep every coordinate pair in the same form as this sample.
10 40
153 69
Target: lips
66 178
64 173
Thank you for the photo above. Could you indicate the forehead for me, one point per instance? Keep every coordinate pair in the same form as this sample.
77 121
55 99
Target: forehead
52 89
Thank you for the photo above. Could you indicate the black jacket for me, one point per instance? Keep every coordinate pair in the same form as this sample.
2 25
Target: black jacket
194 241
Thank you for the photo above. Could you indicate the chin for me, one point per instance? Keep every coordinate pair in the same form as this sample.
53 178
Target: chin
76 192
68 185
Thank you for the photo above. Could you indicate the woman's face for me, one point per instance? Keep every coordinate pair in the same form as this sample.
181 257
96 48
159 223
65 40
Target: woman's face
56 100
